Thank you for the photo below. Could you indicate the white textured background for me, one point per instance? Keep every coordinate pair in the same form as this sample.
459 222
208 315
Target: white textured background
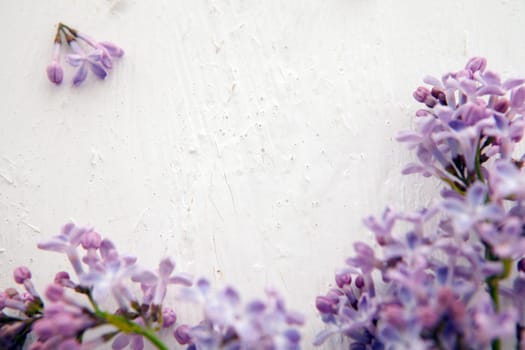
245 138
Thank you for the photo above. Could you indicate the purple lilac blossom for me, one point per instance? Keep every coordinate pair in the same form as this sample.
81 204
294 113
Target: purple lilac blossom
98 59
229 324
442 281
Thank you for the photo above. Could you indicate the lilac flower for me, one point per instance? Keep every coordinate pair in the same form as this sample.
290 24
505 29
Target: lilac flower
466 111
82 60
228 324
506 181
108 49
472 209
67 242
159 282
54 71
99 59
109 276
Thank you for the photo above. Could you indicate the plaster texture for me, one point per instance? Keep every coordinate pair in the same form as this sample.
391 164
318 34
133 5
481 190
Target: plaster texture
244 138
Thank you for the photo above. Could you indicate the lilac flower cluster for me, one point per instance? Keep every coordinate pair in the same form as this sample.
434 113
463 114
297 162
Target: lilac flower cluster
230 325
101 272
99 59
75 305
443 276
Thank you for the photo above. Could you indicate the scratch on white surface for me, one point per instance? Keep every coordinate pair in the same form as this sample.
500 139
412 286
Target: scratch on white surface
232 93
218 45
217 270
19 206
231 193
32 227
141 217
210 198
96 157
7 179
9 161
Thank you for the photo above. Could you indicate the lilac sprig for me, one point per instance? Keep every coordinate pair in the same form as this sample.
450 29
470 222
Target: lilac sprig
469 116
443 278
229 324
101 272
95 56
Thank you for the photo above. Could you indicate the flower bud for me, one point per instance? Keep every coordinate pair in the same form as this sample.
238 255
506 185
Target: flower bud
55 73
21 274
182 334
476 64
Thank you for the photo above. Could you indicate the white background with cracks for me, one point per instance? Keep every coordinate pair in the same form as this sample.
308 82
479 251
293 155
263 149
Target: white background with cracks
247 139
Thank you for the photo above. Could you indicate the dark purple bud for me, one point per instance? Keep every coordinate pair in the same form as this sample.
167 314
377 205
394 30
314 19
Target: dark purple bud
21 274
182 334
325 305
521 265
439 95
55 73
476 64
91 240
360 282
421 94
343 278
169 317
502 105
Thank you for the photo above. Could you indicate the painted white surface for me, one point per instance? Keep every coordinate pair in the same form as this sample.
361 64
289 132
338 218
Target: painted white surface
245 138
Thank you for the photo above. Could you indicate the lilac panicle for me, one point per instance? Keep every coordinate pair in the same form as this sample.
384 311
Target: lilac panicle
98 59
465 111
443 272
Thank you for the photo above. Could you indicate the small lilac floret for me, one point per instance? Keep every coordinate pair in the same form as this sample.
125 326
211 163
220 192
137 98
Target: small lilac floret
54 71
169 317
182 334
21 274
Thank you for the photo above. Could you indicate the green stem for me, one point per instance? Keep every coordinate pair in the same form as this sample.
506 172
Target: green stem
478 164
127 326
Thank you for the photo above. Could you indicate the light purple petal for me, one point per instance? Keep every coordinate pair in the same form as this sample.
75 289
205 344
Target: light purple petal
182 278
517 97
477 194
75 60
145 277
512 83
80 76
113 49
99 70
166 267
121 341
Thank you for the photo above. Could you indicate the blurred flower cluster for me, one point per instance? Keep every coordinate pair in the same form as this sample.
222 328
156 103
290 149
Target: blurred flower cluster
75 306
93 55
450 276
228 324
